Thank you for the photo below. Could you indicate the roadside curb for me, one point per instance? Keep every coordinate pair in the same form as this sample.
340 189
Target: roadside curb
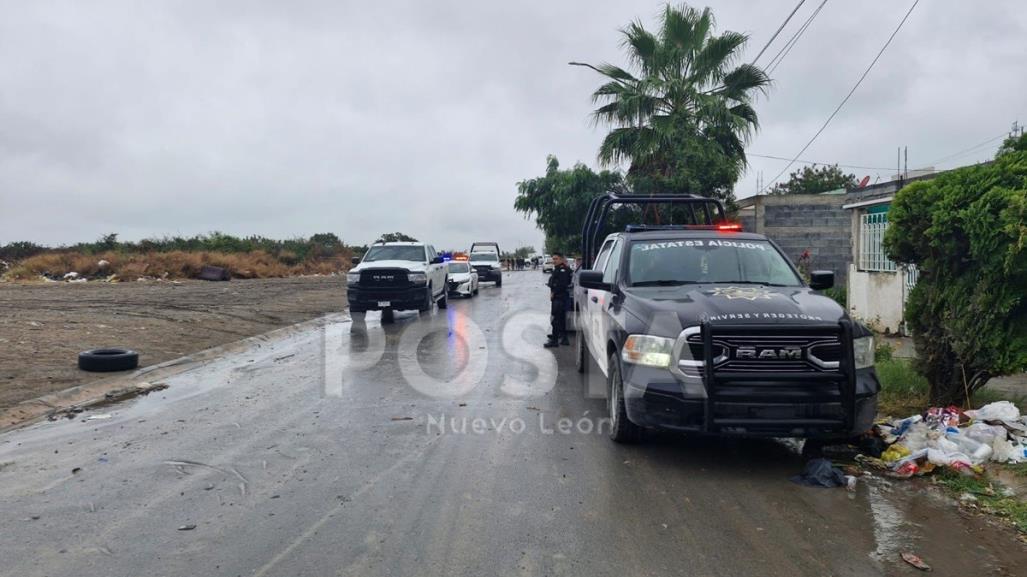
140 381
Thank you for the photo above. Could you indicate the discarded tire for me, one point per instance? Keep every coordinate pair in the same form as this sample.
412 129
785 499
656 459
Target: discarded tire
108 360
214 273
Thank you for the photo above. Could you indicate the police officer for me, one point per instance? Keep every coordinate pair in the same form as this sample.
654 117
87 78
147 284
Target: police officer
560 295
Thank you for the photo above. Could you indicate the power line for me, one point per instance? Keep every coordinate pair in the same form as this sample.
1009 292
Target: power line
821 163
787 48
849 95
966 150
779 29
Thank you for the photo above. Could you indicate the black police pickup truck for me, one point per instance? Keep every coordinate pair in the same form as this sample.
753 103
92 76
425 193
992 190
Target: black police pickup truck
705 328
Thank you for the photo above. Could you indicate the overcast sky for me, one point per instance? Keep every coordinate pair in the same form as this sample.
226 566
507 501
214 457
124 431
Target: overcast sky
290 118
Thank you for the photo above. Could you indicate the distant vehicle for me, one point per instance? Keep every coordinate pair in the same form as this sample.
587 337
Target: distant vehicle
708 329
463 279
485 260
547 264
397 276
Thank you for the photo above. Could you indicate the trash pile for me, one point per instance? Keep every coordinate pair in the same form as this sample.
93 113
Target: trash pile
950 437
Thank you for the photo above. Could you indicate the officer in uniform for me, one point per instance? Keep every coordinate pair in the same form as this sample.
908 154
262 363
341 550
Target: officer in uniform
560 294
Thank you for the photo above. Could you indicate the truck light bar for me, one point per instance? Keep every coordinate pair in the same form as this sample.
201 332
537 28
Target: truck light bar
720 227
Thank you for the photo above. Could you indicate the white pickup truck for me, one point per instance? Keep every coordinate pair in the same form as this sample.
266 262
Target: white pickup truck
485 261
397 276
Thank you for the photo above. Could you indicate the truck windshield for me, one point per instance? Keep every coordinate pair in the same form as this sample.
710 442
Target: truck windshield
485 256
701 260
414 253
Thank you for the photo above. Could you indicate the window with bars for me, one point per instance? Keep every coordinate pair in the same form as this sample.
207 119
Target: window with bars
871 252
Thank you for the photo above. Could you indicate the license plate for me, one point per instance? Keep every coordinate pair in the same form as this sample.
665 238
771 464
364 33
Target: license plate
384 303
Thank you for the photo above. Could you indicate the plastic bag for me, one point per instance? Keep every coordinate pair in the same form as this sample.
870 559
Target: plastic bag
916 437
821 473
939 457
978 452
894 453
1005 451
984 433
997 411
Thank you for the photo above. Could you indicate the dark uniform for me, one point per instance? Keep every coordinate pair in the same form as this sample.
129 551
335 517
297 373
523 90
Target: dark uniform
560 288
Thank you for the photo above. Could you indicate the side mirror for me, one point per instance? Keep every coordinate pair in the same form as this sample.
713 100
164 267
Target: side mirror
437 260
355 260
821 279
592 279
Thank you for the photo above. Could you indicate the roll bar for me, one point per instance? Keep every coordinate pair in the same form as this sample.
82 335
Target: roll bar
599 208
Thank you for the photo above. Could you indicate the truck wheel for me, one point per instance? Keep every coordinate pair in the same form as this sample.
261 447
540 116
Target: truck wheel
581 351
499 282
426 305
621 430
444 301
388 316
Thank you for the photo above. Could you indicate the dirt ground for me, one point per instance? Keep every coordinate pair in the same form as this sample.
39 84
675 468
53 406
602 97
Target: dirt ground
44 326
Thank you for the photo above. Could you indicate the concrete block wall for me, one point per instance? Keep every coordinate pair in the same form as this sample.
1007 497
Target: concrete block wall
812 222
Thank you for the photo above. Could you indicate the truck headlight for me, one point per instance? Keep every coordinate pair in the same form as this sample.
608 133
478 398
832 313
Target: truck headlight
352 278
648 350
863 352
418 278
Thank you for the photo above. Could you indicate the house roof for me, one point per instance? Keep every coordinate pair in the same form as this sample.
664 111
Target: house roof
873 201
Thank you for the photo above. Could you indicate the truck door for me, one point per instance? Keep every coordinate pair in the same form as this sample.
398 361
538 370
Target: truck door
603 313
435 272
592 308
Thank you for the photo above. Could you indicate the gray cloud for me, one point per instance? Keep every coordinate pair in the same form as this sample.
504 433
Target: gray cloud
287 119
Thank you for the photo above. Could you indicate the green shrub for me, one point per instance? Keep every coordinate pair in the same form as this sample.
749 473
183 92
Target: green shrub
966 231
838 294
883 351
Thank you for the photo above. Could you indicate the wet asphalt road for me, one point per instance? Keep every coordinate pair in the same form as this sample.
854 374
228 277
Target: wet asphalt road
345 452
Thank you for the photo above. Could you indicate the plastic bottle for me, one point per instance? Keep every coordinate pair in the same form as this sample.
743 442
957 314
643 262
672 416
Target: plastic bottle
978 452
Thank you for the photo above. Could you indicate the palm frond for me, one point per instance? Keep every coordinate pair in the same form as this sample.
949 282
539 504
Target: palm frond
711 62
747 114
741 81
642 47
608 91
623 144
615 72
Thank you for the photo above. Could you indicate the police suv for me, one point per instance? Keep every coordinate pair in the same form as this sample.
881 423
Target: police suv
397 276
704 328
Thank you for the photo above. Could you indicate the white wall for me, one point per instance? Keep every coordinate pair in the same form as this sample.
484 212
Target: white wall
877 298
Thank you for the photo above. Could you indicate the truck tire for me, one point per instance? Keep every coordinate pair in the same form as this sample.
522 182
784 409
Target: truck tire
581 352
108 360
444 301
499 281
621 430
428 302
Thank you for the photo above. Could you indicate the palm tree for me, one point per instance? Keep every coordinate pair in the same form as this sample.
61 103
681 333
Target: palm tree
685 93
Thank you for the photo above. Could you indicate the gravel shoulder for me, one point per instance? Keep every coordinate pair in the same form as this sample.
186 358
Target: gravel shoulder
44 326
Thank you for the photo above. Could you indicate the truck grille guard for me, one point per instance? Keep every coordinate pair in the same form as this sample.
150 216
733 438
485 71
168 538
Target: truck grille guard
818 382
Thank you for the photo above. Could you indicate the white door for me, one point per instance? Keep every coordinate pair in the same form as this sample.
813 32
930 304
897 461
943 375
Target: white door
602 308
592 309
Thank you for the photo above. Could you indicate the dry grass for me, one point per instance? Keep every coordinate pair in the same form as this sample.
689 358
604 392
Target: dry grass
174 265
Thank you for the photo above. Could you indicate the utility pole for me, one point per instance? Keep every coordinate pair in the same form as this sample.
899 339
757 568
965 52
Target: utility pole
905 162
1017 129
